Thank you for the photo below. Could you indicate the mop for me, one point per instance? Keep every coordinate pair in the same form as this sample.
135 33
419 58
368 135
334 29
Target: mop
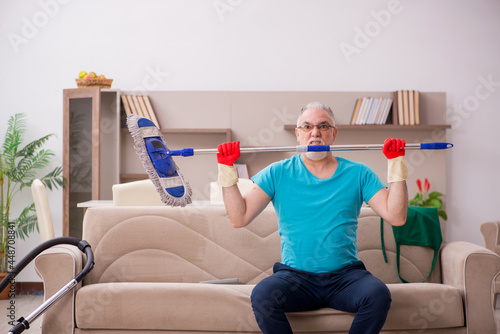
157 161
169 182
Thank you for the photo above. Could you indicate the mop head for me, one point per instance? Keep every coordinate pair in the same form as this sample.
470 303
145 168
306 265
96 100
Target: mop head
159 165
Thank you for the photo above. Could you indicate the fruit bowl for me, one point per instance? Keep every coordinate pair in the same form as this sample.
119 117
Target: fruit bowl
95 82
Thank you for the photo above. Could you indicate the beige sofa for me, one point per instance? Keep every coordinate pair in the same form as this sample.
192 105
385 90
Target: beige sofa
149 262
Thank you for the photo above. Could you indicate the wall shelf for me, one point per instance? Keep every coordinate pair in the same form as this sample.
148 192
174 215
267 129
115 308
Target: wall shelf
384 127
203 131
130 177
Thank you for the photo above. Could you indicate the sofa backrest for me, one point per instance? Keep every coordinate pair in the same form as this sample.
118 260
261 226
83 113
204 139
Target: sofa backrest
197 243
191 244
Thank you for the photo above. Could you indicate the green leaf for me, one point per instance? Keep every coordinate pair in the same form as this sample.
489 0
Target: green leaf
434 202
416 200
30 149
442 214
16 126
26 223
435 194
29 168
54 179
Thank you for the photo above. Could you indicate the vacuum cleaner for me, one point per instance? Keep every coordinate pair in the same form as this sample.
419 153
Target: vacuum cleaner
24 323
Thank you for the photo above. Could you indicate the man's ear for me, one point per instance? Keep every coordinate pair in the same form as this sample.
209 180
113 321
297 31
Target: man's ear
334 133
297 134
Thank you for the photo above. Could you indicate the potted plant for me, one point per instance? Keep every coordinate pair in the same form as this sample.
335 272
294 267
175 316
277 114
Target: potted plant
428 199
19 166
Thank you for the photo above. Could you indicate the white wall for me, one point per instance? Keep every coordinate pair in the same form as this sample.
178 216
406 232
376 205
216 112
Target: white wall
286 45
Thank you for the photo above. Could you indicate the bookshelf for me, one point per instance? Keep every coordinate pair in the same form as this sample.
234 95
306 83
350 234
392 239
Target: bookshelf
432 109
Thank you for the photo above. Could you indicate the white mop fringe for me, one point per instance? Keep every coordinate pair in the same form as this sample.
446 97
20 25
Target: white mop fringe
160 183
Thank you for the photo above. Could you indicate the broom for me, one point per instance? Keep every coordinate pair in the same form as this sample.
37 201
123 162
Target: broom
169 182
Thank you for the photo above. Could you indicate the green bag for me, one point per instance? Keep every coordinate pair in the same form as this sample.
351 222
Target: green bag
422 228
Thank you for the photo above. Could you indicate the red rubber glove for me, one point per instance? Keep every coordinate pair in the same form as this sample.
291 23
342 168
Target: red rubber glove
394 148
228 153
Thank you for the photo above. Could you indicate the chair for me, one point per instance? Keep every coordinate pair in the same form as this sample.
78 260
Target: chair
491 235
45 225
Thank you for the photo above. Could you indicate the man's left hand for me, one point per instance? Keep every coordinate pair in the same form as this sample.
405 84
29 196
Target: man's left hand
394 150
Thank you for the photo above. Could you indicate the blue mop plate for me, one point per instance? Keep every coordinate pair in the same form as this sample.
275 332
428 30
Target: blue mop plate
159 165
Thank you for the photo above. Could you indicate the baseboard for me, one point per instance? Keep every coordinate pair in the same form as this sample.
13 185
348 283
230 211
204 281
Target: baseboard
29 288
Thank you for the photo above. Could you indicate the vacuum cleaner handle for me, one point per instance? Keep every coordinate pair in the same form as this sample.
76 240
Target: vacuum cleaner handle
187 152
24 323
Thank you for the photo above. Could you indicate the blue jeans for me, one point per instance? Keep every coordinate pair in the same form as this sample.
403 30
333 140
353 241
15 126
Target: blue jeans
351 289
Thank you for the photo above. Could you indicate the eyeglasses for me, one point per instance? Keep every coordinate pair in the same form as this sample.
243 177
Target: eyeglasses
320 127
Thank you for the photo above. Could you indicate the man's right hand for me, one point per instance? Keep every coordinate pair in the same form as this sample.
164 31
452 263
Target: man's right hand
240 210
228 153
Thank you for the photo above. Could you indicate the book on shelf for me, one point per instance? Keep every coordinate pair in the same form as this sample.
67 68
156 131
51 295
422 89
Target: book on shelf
126 106
416 102
406 108
355 113
138 109
365 105
140 105
411 107
401 119
371 110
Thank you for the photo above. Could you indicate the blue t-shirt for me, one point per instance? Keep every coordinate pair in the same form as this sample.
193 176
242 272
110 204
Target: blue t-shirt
318 218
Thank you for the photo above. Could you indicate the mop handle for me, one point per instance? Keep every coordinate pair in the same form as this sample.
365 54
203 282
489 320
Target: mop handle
187 152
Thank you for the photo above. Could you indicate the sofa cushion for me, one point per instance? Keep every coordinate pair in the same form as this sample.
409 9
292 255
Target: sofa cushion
422 306
218 307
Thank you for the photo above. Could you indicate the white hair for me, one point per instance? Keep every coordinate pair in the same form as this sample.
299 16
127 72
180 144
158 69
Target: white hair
316 105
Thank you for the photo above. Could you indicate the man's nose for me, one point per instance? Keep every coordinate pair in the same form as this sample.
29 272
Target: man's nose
315 132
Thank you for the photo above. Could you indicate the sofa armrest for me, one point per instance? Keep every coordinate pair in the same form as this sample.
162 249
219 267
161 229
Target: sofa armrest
57 266
471 268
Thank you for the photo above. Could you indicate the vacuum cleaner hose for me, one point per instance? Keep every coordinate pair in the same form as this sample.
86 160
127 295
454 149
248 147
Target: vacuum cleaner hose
24 323
81 244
